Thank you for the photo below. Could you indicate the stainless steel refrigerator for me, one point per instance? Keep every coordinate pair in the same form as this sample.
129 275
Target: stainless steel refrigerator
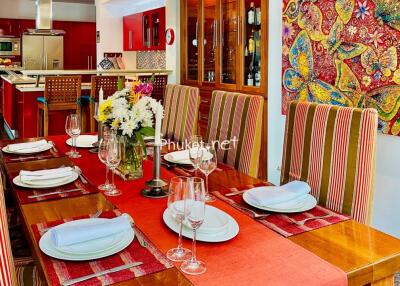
42 52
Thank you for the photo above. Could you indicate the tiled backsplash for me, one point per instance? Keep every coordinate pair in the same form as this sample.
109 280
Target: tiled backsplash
150 60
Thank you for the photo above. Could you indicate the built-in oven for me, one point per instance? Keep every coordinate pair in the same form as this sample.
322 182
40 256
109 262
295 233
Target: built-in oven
10 46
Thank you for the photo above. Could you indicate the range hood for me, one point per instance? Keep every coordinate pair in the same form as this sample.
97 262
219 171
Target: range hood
44 19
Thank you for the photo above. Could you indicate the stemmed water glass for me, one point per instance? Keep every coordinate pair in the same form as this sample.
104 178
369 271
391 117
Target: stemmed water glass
102 154
73 129
178 192
194 148
208 164
114 155
195 204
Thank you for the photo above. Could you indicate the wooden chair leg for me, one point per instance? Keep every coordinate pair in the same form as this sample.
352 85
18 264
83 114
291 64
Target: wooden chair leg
39 122
91 112
46 121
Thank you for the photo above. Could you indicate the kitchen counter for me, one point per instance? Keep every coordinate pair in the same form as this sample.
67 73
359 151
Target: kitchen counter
34 88
19 79
10 68
89 72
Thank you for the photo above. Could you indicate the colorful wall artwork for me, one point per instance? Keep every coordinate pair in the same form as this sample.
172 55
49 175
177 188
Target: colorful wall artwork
344 52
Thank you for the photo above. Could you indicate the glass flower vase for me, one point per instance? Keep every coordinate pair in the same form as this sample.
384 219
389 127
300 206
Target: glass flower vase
132 159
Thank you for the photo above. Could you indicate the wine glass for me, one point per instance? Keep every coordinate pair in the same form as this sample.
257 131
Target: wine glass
194 148
178 191
196 205
102 153
208 164
73 129
114 155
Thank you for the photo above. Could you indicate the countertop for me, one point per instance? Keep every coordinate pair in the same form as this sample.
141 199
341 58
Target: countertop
34 88
19 79
10 68
88 72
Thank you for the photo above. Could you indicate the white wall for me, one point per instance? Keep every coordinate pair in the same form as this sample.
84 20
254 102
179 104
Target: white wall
26 9
173 51
386 215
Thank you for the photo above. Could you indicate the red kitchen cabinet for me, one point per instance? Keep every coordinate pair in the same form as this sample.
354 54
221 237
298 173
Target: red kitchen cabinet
133 32
145 31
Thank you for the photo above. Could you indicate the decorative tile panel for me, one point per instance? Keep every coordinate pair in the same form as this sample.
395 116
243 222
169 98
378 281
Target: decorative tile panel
150 60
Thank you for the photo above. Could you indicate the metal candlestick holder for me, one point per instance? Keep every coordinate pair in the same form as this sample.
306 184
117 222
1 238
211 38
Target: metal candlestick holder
156 186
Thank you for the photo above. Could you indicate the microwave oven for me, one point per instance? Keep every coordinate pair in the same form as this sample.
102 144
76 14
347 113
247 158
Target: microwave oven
10 46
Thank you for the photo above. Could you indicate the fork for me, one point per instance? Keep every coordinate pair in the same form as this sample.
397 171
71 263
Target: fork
255 214
54 146
140 239
80 173
302 222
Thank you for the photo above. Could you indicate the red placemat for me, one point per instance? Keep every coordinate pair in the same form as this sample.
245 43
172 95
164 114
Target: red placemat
24 193
59 271
15 158
284 224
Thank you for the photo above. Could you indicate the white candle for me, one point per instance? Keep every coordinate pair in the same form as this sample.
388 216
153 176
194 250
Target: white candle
157 135
101 98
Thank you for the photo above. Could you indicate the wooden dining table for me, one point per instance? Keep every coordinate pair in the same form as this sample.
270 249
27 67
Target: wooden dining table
367 256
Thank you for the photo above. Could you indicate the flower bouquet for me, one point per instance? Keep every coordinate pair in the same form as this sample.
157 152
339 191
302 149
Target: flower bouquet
130 113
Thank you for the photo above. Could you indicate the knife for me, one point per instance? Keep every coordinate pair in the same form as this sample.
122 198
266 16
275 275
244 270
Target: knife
53 193
101 273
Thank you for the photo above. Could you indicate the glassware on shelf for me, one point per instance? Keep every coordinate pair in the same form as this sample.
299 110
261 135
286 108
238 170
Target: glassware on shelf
210 32
196 210
177 197
192 40
208 164
73 129
229 40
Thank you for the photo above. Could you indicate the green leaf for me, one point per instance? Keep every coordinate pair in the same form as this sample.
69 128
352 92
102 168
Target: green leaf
147 131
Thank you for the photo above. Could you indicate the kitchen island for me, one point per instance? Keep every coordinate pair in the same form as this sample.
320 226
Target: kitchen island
20 93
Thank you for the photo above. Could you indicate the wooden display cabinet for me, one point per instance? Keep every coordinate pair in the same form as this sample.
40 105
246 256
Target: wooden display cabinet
224 47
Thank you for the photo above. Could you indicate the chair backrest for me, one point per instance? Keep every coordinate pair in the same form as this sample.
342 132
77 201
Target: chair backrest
7 271
333 149
160 81
181 104
238 118
108 83
62 89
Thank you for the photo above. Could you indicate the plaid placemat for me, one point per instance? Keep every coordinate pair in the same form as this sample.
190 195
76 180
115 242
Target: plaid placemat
15 158
284 224
59 271
24 193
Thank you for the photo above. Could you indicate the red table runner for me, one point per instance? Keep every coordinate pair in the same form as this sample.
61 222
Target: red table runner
284 224
256 256
24 193
60 270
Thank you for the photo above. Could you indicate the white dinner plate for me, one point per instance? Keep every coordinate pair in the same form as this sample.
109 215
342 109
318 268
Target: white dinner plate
84 141
42 148
230 232
89 250
47 184
180 157
298 205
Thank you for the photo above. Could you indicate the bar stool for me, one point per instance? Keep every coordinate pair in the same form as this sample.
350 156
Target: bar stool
160 81
109 84
60 93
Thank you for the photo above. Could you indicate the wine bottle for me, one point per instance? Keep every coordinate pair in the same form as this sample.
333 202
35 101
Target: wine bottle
251 44
251 14
257 77
250 81
258 16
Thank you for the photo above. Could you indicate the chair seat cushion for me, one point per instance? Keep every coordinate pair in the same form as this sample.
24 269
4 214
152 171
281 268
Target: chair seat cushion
41 99
85 99
26 272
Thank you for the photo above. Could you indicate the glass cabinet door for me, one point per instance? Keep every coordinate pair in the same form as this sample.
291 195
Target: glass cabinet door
155 27
210 39
192 40
229 40
146 30
252 43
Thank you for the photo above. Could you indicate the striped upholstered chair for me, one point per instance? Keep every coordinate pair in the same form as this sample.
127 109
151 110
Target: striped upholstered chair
181 104
240 116
333 149
13 271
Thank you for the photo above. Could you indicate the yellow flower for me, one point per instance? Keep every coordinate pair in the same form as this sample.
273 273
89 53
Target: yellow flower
105 110
366 80
115 123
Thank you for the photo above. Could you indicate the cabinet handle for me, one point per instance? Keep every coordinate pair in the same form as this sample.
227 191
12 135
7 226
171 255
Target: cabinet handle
197 31
130 39
91 62
205 101
204 118
88 63
148 37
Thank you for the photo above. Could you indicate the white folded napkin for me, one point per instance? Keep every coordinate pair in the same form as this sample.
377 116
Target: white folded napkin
41 175
27 146
214 222
68 234
267 196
